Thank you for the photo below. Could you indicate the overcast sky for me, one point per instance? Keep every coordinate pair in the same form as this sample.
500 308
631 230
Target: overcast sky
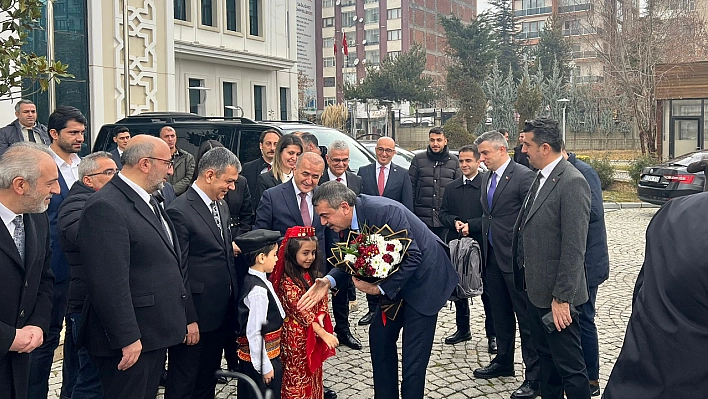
482 6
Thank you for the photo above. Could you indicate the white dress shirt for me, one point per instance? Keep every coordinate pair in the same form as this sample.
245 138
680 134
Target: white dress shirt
202 195
145 197
545 172
499 172
387 170
7 217
333 177
257 303
308 198
70 172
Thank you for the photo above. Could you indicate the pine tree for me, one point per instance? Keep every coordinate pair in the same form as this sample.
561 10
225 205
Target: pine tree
509 49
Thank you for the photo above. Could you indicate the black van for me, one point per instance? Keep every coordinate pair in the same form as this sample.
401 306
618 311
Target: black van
240 135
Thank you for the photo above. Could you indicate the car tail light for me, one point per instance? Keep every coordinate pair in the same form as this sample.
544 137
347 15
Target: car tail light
681 179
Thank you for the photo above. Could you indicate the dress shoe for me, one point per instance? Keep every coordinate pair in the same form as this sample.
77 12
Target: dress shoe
367 319
347 339
594 388
457 337
329 394
494 370
492 345
528 390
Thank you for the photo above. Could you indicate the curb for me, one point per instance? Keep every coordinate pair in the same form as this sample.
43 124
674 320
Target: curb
628 205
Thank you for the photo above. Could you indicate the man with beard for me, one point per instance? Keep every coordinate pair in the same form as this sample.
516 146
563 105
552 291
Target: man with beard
66 127
182 161
251 170
28 178
137 298
24 128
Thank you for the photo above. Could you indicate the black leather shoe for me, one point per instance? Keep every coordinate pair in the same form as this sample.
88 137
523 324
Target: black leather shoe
347 339
527 390
367 319
329 394
594 388
457 337
492 345
494 370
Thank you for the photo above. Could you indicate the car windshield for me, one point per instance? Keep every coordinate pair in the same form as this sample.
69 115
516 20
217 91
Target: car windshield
358 156
687 159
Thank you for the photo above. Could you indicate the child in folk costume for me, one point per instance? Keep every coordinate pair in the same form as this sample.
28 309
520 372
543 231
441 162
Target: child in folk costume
260 314
307 334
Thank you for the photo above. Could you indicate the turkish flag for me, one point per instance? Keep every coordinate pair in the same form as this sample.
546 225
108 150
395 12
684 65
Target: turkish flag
345 47
335 47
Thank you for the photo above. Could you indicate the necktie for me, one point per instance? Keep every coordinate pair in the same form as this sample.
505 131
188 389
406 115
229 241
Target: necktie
160 220
526 208
339 179
490 197
269 167
19 235
217 218
305 211
382 180
30 135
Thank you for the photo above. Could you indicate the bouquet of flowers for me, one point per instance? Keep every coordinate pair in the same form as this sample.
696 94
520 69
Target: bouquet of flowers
373 255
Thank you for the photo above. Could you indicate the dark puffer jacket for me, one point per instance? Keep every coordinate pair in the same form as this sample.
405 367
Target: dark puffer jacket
430 173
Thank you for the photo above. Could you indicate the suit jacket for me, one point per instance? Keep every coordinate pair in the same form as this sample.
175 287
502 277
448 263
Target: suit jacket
554 234
332 237
182 171
60 265
251 170
240 207
168 195
25 298
207 256
398 186
279 210
116 158
136 285
507 201
263 182
597 258
669 313
425 279
353 181
460 203
12 133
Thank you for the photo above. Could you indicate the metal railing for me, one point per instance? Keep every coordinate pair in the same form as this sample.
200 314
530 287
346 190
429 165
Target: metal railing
532 11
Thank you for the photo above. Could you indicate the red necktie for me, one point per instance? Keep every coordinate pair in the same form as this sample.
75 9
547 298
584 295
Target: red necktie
305 211
382 180
269 167
339 179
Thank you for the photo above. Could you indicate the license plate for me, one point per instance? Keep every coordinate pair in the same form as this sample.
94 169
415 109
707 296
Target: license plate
653 179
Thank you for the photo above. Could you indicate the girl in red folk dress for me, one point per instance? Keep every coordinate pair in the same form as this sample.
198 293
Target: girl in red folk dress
307 335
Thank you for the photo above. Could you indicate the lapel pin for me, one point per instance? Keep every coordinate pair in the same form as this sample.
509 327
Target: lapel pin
506 177
554 180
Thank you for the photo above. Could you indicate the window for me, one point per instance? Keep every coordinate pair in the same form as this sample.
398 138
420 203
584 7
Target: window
372 57
372 36
229 93
526 4
371 16
349 18
284 103
327 3
351 41
329 101
351 58
196 96
258 102
328 42
181 10
233 16
207 13
531 30
394 13
254 17
370 1
393 54
350 77
328 62
328 82
394 34
327 22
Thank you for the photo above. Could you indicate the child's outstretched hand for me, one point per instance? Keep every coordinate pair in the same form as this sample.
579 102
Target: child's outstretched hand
320 319
269 377
331 341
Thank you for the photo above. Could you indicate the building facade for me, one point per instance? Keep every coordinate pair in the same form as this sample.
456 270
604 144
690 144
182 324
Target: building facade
374 29
211 57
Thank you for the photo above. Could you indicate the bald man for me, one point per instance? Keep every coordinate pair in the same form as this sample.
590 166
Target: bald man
134 275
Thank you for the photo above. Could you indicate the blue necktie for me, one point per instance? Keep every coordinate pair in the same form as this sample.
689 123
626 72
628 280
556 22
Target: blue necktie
490 197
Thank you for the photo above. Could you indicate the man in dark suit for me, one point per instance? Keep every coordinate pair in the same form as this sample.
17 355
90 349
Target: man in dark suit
337 165
503 191
597 270
121 136
386 179
268 141
424 282
28 178
548 262
95 171
66 127
521 157
461 212
24 128
663 353
201 219
132 267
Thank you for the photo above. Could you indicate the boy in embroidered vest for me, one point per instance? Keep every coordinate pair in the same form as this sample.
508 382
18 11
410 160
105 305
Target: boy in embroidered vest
260 314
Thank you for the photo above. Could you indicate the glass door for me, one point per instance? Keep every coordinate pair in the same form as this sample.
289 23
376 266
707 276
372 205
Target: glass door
686 136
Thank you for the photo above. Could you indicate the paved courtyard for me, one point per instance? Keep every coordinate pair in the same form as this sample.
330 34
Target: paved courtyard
450 369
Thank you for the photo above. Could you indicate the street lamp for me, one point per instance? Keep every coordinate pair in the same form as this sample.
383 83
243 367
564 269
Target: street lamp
565 102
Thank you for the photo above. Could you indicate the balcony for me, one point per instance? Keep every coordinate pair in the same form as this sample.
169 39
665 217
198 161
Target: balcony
528 35
579 31
586 79
575 8
584 54
532 11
